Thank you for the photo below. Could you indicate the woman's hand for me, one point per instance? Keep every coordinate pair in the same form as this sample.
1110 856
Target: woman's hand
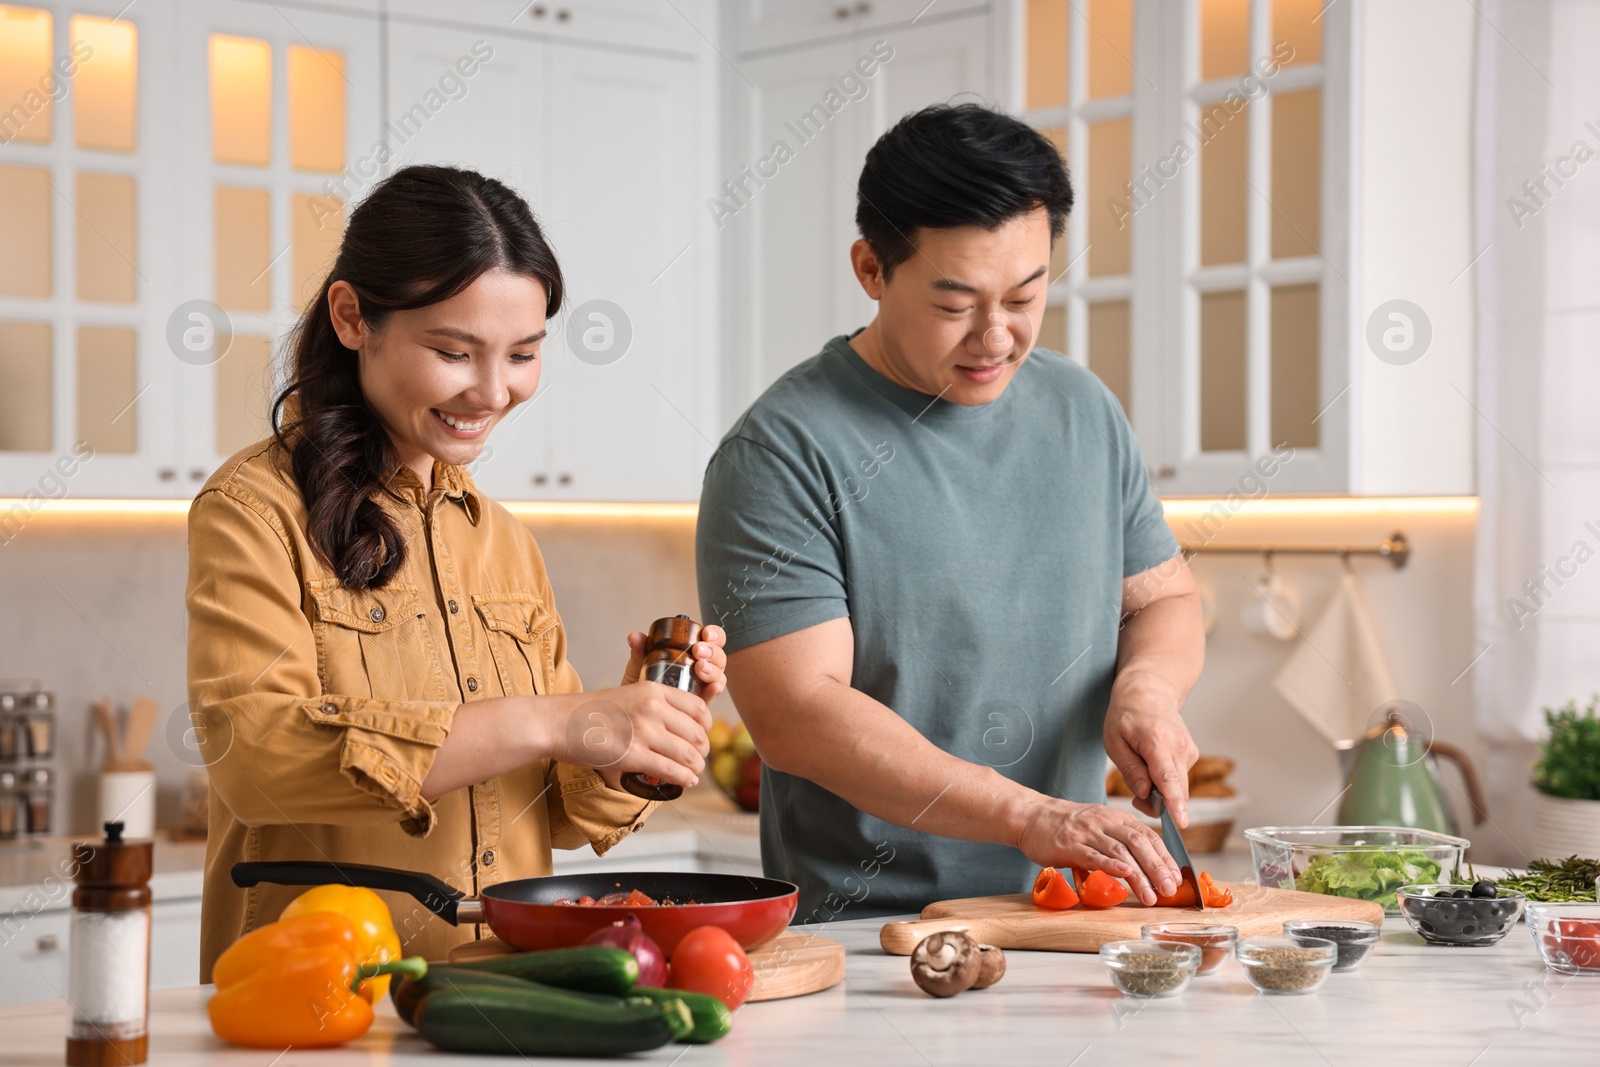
644 727
710 661
1062 834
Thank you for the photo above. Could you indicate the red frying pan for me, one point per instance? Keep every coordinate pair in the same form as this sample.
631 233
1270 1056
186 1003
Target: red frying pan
525 915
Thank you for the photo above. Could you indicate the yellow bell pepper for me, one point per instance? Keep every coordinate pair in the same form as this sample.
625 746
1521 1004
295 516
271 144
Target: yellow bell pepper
376 940
293 983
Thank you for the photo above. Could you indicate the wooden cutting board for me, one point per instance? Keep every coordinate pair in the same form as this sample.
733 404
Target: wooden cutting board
1017 922
790 965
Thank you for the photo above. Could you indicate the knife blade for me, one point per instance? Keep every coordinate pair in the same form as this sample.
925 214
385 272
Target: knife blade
1175 847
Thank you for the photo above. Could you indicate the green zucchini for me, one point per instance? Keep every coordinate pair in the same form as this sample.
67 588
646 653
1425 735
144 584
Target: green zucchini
407 993
712 1019
586 968
542 1021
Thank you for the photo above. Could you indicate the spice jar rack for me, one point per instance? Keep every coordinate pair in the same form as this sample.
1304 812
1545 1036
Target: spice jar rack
27 749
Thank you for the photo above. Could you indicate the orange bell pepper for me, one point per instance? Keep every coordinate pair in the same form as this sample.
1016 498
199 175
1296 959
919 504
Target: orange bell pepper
293 983
1051 890
1100 890
1214 897
1182 897
376 940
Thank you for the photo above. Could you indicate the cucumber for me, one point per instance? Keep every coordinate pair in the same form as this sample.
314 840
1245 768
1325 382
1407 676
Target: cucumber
712 1019
407 993
541 1021
586 968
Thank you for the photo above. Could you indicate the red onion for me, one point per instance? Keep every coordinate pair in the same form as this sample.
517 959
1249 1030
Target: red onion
628 934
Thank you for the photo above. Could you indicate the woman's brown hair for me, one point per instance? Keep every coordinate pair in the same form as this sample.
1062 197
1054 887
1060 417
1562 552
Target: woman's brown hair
421 236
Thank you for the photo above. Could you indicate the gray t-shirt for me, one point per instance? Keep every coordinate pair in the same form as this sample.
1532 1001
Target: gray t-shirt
979 553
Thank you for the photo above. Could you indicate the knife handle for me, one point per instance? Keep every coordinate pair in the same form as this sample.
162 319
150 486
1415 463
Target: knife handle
900 938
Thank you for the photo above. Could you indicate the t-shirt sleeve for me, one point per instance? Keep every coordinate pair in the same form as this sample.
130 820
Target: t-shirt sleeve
768 557
1146 538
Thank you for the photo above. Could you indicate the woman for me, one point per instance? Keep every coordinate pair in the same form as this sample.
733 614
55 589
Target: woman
376 665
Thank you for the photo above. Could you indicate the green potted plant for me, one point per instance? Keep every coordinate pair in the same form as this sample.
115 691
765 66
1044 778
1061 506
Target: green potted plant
1566 783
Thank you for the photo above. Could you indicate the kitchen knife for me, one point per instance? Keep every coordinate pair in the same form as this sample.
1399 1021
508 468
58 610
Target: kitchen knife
1174 842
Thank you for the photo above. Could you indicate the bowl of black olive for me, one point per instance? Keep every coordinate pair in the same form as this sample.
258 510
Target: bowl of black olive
1460 915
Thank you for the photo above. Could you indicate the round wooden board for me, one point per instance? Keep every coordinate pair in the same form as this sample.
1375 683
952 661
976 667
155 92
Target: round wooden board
790 965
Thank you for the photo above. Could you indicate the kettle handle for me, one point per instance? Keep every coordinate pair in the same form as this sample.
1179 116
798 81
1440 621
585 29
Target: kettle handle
1469 774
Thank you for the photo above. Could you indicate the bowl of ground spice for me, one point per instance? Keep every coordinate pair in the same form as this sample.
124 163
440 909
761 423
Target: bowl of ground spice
1280 965
1150 968
1214 942
1353 938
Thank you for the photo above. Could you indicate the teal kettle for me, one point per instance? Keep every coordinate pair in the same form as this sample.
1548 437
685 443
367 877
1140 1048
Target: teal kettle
1392 779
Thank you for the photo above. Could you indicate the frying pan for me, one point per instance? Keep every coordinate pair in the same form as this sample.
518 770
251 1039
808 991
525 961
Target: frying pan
525 915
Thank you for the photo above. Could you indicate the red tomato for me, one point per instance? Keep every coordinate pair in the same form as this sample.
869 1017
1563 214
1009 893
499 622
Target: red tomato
1578 940
708 960
1050 890
1100 890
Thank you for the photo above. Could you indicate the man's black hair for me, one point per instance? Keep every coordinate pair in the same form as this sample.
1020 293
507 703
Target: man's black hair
956 165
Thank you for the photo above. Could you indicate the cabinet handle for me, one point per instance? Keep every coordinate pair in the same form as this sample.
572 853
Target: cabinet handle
562 15
841 12
863 8
565 479
197 474
1167 471
48 943
167 474
540 478
538 11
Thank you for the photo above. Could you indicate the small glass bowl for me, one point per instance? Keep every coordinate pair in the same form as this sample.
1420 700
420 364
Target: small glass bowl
1453 920
1214 941
1282 965
1150 968
1353 939
1567 936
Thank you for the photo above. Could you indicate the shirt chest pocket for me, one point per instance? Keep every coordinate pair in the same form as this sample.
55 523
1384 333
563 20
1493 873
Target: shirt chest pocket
375 643
517 626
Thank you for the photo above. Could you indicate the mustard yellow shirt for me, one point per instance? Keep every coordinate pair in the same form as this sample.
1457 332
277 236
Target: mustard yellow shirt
319 709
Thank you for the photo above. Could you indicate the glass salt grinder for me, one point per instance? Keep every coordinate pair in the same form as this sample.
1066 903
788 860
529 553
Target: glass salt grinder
108 985
668 659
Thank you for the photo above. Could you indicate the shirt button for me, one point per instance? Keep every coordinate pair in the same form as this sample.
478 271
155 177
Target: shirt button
377 614
329 709
454 607
488 857
527 627
472 685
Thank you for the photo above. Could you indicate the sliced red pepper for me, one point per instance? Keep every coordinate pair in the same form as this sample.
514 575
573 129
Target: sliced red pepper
1050 890
1214 897
638 899
1182 897
1100 890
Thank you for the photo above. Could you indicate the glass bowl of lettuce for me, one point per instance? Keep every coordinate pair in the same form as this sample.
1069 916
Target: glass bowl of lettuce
1361 862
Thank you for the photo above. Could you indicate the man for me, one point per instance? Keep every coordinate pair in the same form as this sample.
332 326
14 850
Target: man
947 587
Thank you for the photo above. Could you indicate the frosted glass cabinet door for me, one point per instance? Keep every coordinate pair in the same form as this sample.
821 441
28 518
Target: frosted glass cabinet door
282 121
86 406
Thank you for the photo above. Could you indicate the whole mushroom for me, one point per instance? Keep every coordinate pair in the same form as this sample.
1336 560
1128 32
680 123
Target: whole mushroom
992 966
946 963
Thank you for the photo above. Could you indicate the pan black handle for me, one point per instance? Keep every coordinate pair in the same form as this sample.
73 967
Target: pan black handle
437 896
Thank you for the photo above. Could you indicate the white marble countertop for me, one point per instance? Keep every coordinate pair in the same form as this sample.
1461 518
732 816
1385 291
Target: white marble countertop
1407 1003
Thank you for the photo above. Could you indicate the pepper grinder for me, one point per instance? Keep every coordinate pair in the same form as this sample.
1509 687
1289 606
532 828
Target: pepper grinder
108 985
668 659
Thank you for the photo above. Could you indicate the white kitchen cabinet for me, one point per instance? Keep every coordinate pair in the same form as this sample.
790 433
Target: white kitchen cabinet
600 112
755 25
643 24
791 225
36 956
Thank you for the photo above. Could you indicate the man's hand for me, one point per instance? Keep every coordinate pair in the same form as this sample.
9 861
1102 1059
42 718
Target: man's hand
1147 739
710 661
1060 833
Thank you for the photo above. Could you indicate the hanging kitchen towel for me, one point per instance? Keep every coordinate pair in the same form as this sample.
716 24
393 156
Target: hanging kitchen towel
1338 675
